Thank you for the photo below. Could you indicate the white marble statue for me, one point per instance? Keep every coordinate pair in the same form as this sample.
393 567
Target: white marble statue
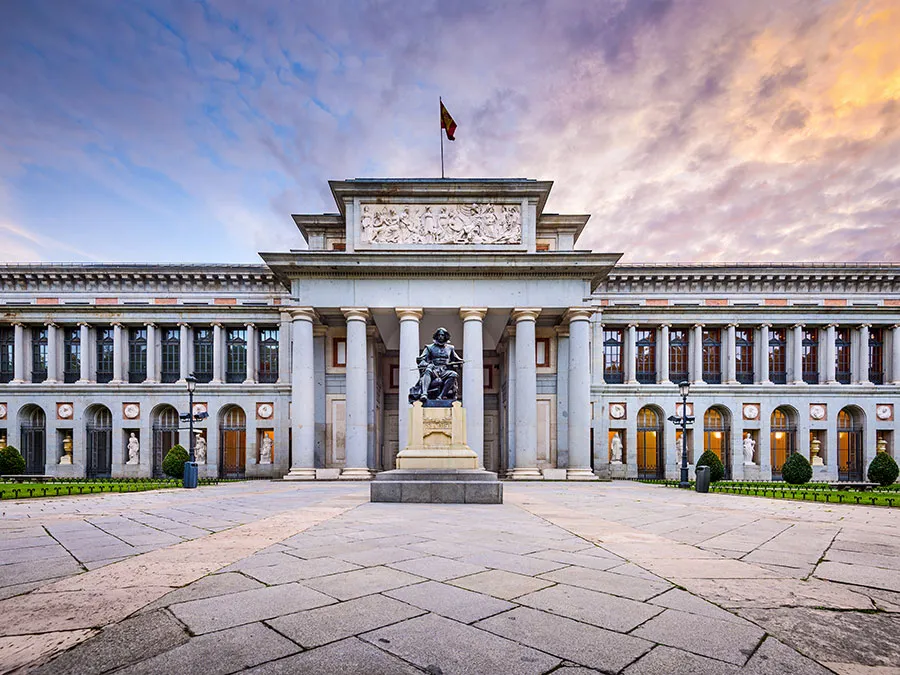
615 447
200 450
134 449
749 446
265 451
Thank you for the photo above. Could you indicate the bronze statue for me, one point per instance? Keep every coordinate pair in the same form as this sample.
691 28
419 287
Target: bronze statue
438 377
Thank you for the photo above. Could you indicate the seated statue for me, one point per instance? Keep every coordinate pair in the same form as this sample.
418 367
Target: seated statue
438 376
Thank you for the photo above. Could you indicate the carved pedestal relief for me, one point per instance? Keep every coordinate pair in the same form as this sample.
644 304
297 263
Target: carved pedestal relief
441 224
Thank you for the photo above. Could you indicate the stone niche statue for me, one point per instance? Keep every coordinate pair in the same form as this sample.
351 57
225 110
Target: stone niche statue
200 449
615 447
265 450
134 449
438 372
749 447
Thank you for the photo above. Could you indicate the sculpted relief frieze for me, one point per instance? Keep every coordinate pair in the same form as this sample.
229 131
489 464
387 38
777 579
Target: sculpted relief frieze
441 224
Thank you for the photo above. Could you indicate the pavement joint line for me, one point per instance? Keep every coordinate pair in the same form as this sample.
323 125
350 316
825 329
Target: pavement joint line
824 555
65 548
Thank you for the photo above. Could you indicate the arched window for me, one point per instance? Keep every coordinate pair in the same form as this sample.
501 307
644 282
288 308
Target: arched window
165 435
99 442
782 439
717 437
233 440
650 453
850 445
32 438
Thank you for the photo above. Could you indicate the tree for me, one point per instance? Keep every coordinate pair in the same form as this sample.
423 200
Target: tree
716 468
173 464
11 461
883 469
796 470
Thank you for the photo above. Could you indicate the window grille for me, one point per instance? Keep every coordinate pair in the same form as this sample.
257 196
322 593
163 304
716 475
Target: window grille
105 350
712 355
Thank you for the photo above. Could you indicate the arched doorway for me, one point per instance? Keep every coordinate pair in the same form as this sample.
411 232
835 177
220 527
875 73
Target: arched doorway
651 461
99 441
782 438
233 442
717 436
33 438
850 423
165 435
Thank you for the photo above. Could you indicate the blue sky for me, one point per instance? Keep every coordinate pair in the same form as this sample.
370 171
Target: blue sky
707 130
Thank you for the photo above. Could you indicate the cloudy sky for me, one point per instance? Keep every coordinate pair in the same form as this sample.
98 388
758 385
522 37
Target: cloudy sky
692 130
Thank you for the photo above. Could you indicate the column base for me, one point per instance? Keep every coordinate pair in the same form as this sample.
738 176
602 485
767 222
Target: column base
301 474
580 474
732 382
117 381
798 383
525 473
356 474
23 382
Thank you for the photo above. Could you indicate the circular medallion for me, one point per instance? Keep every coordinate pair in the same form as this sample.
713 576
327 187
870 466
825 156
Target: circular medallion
751 412
264 410
2 411
199 408
617 411
884 412
64 411
817 412
131 411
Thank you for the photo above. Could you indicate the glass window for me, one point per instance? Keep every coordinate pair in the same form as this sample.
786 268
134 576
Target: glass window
170 354
236 364
268 355
339 352
105 348
137 355
782 437
777 356
612 356
7 352
38 354
71 354
876 356
842 355
743 355
678 354
542 352
646 355
712 355
811 355
203 354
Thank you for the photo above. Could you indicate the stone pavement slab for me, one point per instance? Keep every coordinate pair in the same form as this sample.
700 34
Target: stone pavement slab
207 587
668 661
349 585
450 601
436 568
501 584
348 657
860 575
607 582
297 569
597 609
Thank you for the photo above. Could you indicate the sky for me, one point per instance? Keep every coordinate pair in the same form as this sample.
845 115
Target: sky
691 130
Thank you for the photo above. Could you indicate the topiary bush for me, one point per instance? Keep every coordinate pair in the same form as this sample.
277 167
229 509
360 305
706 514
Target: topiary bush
883 469
173 464
796 470
11 462
716 468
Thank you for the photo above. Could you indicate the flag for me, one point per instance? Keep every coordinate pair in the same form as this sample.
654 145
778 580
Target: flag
447 123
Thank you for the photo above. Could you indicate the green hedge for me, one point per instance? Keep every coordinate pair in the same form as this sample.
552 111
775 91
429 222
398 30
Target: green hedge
796 470
173 464
716 468
11 462
883 469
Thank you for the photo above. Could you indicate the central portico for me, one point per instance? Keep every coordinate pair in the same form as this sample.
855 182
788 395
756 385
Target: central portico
403 257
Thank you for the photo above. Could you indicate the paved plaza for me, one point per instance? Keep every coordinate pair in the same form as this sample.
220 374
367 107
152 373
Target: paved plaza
281 577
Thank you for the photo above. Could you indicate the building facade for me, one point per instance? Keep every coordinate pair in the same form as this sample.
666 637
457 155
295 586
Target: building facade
571 359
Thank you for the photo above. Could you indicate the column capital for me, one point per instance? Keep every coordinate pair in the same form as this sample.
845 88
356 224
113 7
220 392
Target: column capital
765 325
832 325
578 314
51 324
665 324
865 325
320 330
217 324
116 324
84 324
301 314
895 326
525 314
151 324
249 324
355 313
562 330
472 313
633 324
732 324
409 313
699 325
184 324
798 325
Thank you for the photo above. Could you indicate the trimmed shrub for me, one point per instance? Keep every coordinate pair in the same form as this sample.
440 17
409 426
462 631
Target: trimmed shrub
883 469
173 464
11 462
796 470
716 468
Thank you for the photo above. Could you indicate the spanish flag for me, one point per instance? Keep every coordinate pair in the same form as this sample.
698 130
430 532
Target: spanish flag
447 123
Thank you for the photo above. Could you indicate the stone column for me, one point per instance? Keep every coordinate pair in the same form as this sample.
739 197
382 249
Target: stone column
409 375
473 377
895 354
85 338
510 401
357 395
579 396
730 361
631 354
597 348
863 377
218 353
251 354
19 353
118 347
52 353
526 395
697 334
284 348
303 408
764 353
797 354
184 340
663 351
830 357
151 354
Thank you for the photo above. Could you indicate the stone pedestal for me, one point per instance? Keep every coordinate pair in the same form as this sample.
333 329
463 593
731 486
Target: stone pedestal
437 439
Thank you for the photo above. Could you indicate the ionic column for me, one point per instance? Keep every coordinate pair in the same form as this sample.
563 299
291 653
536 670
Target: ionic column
579 396
52 353
251 354
526 395
863 377
698 353
597 349
895 352
303 421
183 353
731 356
152 375
218 353
118 377
473 377
357 436
764 353
631 354
797 354
19 353
284 348
409 374
85 339
830 357
663 352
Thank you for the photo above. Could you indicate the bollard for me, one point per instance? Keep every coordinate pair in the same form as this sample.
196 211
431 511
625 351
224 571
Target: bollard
702 482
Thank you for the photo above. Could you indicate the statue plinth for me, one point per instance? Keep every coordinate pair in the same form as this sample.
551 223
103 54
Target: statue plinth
437 439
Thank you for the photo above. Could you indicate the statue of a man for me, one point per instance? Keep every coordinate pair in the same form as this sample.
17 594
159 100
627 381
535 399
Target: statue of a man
134 449
200 449
437 370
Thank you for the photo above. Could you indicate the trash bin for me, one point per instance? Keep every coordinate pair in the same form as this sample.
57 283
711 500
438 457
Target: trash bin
702 483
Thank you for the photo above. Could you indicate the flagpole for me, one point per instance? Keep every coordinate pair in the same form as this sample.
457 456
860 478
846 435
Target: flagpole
441 133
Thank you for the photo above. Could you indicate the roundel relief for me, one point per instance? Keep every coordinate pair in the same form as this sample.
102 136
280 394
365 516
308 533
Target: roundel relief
751 411
2 411
882 412
817 411
131 411
617 411
264 410
64 411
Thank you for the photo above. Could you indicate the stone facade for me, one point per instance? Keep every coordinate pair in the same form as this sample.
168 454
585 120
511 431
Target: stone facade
304 362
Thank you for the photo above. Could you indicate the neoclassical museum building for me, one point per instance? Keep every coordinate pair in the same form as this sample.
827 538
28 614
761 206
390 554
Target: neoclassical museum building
571 360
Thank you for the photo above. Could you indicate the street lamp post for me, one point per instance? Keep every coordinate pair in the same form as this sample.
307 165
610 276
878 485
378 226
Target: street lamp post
190 467
684 389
